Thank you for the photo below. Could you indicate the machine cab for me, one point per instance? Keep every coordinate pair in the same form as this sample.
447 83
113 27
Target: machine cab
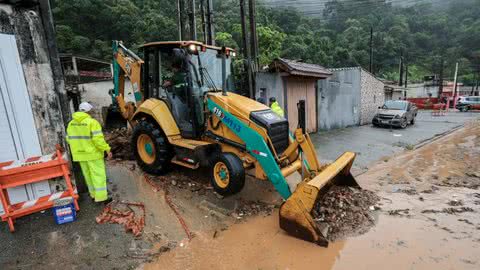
181 72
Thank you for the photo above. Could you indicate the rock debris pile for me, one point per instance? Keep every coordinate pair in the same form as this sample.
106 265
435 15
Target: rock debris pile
345 211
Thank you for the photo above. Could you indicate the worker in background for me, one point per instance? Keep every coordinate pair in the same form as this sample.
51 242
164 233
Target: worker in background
276 107
87 144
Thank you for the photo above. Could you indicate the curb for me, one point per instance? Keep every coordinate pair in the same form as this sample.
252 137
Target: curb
437 136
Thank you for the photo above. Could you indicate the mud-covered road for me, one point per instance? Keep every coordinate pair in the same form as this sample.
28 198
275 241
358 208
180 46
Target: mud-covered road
428 219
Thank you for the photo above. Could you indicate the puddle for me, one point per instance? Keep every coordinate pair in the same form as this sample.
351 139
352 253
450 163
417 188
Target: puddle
257 244
395 243
402 243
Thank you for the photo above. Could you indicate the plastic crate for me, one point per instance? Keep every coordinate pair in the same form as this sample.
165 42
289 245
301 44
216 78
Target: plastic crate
64 212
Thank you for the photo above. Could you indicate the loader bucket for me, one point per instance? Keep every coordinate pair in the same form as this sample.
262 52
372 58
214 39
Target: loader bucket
113 119
295 213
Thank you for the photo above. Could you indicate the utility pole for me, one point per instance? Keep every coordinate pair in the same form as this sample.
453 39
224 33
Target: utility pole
183 19
204 23
405 64
253 33
455 86
193 22
477 83
253 41
400 70
440 83
406 74
246 50
179 22
371 50
210 26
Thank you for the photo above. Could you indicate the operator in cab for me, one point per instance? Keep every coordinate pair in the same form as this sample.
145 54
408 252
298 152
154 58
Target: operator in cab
276 107
178 81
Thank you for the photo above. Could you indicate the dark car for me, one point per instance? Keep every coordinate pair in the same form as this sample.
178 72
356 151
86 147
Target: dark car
396 113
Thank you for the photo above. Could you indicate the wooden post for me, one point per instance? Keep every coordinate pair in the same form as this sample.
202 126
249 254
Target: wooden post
455 86
193 22
210 25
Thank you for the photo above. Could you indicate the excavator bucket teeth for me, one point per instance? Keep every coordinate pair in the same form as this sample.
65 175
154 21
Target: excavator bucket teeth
296 212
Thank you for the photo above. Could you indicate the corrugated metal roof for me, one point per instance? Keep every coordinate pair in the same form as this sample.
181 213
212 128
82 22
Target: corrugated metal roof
294 67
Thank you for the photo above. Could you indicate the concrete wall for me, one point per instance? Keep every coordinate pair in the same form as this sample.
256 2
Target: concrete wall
96 93
419 90
273 85
372 96
339 99
45 88
32 27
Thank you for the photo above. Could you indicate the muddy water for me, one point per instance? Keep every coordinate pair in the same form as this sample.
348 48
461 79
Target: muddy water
401 243
396 243
256 244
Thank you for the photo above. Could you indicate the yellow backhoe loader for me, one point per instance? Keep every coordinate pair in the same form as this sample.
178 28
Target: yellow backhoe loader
186 112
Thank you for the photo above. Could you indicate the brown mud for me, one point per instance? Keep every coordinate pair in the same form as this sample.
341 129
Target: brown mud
428 219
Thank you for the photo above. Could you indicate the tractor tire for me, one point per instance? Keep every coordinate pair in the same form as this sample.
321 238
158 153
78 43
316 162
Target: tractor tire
228 174
152 150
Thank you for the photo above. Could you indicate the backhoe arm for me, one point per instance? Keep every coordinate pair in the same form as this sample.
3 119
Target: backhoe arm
126 64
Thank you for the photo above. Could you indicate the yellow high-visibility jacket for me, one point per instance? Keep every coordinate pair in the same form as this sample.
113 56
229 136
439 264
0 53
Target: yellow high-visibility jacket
85 137
277 109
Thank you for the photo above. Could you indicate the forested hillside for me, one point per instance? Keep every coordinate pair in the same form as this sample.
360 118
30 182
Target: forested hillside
340 37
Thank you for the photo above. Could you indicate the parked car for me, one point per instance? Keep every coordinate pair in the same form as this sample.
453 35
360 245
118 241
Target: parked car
468 103
397 113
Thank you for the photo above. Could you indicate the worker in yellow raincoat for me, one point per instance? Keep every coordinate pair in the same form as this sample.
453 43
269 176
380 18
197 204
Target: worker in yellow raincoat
87 144
276 107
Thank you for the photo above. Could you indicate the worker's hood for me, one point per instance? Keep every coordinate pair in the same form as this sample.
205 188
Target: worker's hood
80 116
391 112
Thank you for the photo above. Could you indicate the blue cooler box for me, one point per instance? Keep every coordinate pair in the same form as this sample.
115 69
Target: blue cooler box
64 211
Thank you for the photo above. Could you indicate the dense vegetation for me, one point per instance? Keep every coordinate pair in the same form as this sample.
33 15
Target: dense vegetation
422 33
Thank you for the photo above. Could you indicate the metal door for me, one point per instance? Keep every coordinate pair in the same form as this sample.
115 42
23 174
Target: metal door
18 135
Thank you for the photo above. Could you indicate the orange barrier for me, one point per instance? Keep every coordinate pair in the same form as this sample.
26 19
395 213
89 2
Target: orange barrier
438 109
35 169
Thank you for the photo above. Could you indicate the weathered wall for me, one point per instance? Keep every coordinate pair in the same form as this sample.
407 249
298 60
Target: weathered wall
96 93
273 85
339 99
26 24
419 90
372 96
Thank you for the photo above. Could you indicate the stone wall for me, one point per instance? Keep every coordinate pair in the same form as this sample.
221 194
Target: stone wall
372 96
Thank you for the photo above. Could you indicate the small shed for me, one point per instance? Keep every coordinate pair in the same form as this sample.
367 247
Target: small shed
291 81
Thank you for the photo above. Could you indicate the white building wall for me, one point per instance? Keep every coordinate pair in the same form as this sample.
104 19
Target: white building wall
96 93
